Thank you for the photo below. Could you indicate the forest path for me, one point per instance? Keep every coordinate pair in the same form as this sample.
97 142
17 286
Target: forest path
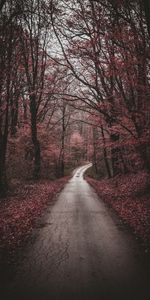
81 251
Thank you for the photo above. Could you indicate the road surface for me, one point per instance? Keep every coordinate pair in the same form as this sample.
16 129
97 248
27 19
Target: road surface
82 251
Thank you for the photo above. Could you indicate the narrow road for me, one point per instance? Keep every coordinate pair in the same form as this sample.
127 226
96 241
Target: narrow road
82 251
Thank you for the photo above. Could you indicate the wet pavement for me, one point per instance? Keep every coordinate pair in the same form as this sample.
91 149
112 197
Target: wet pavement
80 251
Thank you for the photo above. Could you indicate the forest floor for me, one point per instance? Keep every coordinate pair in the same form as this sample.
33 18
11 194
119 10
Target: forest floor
79 250
20 210
129 196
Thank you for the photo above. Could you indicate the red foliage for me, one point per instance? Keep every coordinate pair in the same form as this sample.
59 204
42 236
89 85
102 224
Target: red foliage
19 213
126 196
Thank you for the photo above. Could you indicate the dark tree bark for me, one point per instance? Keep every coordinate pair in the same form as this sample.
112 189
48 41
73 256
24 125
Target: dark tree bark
94 151
14 115
146 4
105 154
35 141
62 164
115 155
3 150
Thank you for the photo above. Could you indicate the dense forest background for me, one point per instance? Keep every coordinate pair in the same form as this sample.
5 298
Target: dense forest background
74 87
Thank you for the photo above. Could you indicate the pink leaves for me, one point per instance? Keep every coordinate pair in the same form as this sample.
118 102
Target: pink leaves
76 139
126 196
19 213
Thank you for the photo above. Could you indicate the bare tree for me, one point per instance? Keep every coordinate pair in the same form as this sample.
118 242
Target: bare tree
33 39
9 60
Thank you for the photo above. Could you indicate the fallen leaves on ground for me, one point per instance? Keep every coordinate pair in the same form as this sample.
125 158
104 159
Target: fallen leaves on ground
129 197
18 213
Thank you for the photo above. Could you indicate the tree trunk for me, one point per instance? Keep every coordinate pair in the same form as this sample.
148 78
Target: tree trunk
142 149
115 155
94 150
14 115
62 152
147 14
105 154
3 149
3 179
35 141
61 160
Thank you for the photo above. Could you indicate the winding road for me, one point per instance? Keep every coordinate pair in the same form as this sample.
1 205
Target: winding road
82 251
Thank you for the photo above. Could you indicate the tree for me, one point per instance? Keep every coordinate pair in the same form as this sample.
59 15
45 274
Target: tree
33 40
111 76
9 61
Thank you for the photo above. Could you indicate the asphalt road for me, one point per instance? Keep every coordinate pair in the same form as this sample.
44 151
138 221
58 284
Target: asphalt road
82 251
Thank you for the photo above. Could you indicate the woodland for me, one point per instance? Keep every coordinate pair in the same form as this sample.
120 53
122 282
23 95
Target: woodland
74 88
